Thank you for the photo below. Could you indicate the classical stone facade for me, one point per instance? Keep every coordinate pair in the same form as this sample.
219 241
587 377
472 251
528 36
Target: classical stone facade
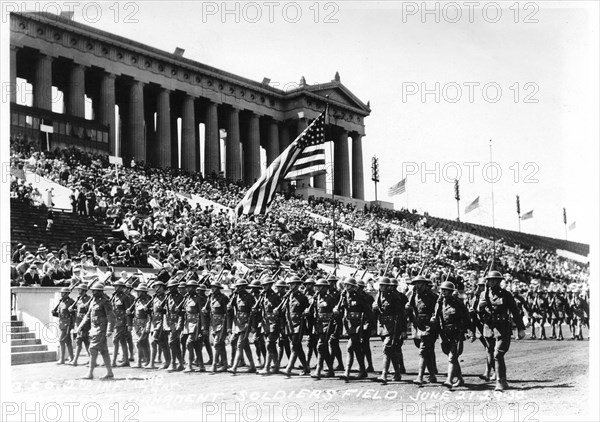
153 89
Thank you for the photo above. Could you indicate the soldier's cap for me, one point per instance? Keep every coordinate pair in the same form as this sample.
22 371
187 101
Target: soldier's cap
384 281
82 286
447 285
173 283
33 267
181 283
493 275
310 281
351 281
193 283
19 246
118 283
97 286
241 282
331 278
216 284
394 281
201 287
322 282
267 280
255 284
294 280
361 283
65 290
481 281
419 279
29 258
142 287
281 283
129 285
156 282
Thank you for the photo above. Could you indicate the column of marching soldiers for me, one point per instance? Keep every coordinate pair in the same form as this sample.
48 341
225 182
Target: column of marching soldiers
181 319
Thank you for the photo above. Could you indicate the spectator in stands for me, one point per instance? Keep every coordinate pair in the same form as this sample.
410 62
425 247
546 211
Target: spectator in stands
73 198
81 206
19 254
31 276
91 203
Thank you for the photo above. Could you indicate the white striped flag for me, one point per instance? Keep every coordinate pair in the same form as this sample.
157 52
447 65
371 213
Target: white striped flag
259 197
572 226
472 206
527 215
398 189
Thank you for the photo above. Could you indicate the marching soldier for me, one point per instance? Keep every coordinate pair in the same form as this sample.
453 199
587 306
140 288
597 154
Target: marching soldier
271 323
477 325
173 306
496 305
80 307
120 303
140 311
160 341
337 327
538 307
257 336
388 309
453 321
321 307
421 307
64 314
192 307
309 292
296 304
101 318
183 335
558 311
128 336
239 324
369 323
284 341
580 311
204 339
215 313
355 311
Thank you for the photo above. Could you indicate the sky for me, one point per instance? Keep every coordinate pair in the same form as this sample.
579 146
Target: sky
441 85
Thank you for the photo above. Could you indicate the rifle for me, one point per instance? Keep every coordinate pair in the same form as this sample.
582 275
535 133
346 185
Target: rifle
386 269
55 310
253 312
355 272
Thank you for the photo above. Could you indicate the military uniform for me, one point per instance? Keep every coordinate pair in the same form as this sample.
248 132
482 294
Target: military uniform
80 308
65 324
322 306
192 308
297 303
241 307
159 336
257 335
558 311
337 328
120 302
538 307
495 308
174 306
216 314
271 323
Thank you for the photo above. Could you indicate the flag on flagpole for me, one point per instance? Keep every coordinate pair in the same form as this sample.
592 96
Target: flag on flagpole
398 189
311 162
572 226
259 197
472 206
527 215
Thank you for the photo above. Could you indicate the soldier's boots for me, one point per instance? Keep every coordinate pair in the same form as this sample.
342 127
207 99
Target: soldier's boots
422 365
543 335
384 373
265 370
317 374
401 362
349 363
451 371
459 379
362 373
290 366
501 384
397 370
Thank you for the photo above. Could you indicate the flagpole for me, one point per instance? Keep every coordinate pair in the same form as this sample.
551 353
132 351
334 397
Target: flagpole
332 184
493 215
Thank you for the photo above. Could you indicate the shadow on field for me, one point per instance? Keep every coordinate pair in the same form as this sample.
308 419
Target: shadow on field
540 387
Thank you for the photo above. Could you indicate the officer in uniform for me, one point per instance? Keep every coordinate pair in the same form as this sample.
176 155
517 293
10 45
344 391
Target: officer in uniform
128 336
160 340
389 311
204 341
321 309
309 292
337 327
183 335
215 314
241 306
398 345
421 306
295 306
65 316
355 311
257 336
174 306
190 320
140 312
453 321
368 326
102 319
271 323
80 308
496 305
120 302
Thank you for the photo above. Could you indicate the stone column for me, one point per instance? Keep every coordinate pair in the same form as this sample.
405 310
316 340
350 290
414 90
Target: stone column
284 137
273 142
106 110
233 169
342 167
189 143
163 128
42 83
252 150
358 184
13 74
321 181
212 160
135 123
75 95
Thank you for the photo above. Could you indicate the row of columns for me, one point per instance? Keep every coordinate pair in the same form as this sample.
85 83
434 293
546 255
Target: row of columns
163 138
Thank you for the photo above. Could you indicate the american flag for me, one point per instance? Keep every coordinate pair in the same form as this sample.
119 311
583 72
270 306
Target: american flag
260 195
398 189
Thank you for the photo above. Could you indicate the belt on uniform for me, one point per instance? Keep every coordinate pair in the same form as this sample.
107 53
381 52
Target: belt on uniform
324 315
388 318
354 315
192 317
243 314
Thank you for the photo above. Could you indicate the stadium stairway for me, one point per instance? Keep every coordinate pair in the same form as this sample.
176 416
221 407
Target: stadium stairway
25 347
28 226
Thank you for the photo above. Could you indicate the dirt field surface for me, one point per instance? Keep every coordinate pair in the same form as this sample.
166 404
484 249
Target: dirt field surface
548 380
